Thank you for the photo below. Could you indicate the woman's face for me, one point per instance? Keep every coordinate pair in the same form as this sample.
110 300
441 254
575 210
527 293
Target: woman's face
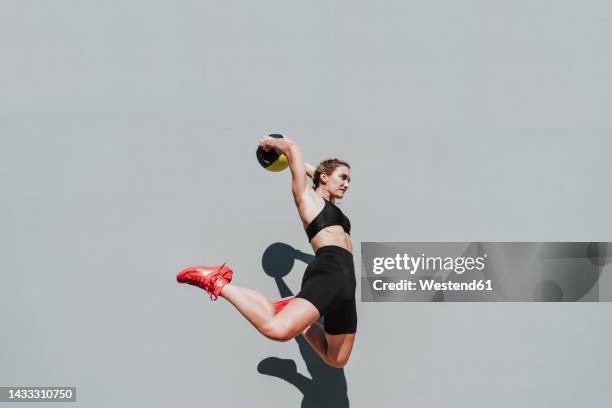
338 182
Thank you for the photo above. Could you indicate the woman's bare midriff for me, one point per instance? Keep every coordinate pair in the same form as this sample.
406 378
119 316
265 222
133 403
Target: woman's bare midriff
332 235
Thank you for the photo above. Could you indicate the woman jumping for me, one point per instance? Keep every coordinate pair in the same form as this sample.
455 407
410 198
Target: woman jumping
328 285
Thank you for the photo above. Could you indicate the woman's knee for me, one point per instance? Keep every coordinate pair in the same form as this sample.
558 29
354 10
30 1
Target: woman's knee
337 362
278 331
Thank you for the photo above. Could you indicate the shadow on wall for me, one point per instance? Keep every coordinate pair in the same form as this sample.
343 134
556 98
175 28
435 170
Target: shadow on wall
327 386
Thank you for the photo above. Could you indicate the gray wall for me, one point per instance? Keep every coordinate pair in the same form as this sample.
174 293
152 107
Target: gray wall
127 137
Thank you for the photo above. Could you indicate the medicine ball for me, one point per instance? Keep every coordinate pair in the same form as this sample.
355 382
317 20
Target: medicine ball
272 160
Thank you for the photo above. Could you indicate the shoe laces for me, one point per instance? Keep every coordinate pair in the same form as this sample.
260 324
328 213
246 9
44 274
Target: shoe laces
210 288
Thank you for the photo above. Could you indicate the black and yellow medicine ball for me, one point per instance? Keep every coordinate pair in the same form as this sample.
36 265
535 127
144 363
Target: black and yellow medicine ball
272 160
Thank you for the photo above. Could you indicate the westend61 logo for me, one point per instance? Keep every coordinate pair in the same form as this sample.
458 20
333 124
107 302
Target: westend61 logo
486 271
415 264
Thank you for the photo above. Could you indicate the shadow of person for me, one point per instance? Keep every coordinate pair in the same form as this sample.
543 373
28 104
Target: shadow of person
326 386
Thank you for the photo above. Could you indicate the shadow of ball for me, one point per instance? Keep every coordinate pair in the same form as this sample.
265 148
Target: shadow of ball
278 259
548 291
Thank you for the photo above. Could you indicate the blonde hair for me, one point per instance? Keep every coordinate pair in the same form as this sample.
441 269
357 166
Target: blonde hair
327 166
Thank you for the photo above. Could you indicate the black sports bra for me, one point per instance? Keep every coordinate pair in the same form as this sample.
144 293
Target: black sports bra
329 215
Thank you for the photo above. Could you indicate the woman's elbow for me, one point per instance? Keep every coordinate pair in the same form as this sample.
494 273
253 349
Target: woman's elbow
290 147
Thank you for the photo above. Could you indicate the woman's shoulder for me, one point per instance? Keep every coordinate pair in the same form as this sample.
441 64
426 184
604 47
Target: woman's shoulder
314 198
311 203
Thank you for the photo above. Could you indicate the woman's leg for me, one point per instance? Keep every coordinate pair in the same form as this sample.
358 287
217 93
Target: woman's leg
253 305
334 349
298 317
258 309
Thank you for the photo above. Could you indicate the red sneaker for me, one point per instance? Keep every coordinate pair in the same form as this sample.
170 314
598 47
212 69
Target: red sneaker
281 303
210 278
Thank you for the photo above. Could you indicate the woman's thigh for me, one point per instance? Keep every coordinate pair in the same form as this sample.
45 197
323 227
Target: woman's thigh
297 316
339 346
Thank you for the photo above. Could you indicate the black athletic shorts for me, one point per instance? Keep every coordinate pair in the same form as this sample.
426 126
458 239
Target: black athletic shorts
329 284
